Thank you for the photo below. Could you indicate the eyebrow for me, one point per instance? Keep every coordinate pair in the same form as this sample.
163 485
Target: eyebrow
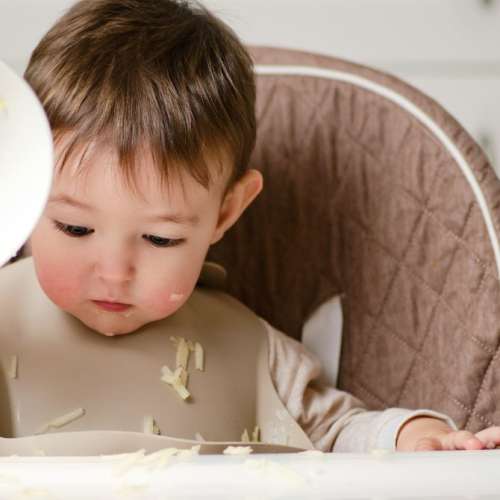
67 200
191 220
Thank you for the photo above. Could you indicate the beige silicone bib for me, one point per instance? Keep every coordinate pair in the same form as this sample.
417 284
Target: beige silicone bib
107 387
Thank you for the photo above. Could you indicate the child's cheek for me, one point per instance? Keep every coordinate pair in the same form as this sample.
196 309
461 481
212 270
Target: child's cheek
58 283
165 301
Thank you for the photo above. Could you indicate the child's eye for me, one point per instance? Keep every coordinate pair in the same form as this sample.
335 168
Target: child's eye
162 242
74 231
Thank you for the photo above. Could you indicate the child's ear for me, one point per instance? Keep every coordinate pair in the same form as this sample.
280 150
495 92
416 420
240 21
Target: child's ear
244 191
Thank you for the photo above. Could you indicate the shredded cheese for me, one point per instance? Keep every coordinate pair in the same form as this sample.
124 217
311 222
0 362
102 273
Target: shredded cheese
159 458
164 456
167 375
199 357
28 493
311 453
178 379
182 357
154 460
183 378
245 437
150 426
128 460
125 456
63 420
237 450
256 434
175 380
13 367
181 391
187 454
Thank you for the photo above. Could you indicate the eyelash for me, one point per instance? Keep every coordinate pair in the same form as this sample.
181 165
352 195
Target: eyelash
156 241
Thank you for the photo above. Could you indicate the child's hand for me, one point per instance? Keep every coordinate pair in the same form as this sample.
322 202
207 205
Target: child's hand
431 434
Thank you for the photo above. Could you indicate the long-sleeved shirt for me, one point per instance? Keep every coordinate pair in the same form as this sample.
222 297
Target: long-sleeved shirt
334 420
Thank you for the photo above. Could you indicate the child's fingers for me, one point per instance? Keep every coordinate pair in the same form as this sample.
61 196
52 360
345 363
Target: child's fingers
489 436
462 440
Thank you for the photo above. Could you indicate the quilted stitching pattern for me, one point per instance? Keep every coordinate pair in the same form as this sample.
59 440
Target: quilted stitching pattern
362 199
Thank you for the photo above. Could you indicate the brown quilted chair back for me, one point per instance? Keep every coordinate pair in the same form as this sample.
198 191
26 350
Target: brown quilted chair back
373 191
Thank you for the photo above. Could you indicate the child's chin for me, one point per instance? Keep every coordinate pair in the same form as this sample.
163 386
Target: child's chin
111 327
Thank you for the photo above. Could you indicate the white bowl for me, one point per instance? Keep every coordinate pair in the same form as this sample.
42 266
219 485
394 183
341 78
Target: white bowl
26 161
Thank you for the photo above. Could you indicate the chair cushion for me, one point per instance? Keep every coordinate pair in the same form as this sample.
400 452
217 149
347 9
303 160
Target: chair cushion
363 198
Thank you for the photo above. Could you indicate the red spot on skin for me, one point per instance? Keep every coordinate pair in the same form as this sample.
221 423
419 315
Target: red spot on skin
59 282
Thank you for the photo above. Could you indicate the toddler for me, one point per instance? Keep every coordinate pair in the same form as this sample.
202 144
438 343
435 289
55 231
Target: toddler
151 104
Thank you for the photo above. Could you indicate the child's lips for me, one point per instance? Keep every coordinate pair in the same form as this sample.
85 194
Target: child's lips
111 306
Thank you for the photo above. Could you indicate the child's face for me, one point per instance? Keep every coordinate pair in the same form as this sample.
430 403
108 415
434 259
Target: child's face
98 242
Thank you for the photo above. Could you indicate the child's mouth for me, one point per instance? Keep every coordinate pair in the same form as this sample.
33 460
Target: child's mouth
111 306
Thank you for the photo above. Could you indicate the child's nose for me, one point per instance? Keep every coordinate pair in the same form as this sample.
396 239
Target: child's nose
115 269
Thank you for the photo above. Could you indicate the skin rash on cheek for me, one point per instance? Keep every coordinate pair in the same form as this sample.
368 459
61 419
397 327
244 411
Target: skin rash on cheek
55 283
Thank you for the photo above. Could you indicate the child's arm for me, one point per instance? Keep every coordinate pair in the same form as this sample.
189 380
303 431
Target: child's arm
334 420
428 434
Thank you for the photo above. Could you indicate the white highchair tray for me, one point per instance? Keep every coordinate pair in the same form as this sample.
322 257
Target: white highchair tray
409 476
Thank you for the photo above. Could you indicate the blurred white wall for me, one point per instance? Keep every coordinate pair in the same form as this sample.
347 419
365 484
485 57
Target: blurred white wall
448 48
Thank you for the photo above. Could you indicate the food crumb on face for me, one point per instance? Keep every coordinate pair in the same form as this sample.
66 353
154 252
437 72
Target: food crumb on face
176 297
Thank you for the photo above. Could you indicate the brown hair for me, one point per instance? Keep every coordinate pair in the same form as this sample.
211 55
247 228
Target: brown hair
162 73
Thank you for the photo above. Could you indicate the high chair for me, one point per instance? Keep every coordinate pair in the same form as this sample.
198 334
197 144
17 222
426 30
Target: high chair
376 199
374 193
